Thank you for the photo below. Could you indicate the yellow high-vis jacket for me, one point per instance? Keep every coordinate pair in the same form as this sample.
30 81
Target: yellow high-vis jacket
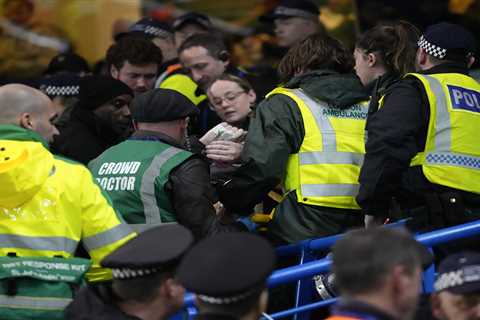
49 205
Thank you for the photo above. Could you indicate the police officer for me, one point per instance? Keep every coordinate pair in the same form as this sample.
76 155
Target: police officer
150 178
422 152
378 273
308 135
143 285
457 288
294 20
228 274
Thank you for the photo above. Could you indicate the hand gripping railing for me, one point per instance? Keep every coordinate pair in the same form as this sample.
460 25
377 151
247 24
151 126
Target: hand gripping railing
307 270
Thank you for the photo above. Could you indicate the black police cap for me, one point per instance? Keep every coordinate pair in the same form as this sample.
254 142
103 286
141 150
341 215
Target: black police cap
156 250
292 8
194 18
60 85
459 273
160 105
447 41
149 28
227 268
67 62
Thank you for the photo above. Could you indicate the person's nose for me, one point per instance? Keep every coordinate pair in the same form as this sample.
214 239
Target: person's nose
126 111
141 82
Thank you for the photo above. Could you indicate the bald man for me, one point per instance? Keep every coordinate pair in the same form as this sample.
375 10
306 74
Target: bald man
29 109
48 206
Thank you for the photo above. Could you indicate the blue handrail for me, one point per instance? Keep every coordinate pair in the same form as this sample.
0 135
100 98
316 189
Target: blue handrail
309 269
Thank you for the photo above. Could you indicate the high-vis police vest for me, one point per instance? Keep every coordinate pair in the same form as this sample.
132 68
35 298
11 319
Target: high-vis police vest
134 174
452 153
325 170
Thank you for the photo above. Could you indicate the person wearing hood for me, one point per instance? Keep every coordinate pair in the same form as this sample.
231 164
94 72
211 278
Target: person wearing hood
99 120
309 136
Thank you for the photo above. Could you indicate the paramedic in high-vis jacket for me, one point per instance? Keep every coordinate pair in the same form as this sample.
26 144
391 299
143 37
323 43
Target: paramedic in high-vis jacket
48 206
309 136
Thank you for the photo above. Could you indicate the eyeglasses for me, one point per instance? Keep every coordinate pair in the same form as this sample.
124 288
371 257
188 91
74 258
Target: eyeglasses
229 97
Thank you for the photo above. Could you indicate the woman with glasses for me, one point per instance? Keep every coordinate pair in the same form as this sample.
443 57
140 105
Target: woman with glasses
233 99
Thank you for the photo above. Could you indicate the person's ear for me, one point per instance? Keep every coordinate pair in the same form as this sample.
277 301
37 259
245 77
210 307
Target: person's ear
471 61
114 72
436 306
252 96
371 59
422 57
25 121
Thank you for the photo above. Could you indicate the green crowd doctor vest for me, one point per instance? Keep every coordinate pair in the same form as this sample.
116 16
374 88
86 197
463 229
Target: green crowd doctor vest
134 174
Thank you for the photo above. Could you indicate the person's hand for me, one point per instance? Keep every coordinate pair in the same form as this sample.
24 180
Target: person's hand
373 221
223 131
224 151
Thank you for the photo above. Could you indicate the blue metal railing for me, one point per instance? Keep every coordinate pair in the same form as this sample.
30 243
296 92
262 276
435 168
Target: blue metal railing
307 270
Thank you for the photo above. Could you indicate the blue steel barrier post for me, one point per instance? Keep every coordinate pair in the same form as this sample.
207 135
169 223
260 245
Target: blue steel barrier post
429 277
305 287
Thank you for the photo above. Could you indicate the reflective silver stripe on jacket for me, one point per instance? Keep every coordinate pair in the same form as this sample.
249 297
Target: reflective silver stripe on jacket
34 302
108 237
443 127
331 158
147 188
442 154
38 243
329 190
329 155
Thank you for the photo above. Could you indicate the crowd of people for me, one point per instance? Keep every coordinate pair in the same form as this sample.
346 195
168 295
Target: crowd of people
171 168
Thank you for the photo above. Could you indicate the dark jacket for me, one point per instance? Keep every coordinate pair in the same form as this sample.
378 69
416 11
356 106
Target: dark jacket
396 133
357 310
188 189
276 131
84 137
95 303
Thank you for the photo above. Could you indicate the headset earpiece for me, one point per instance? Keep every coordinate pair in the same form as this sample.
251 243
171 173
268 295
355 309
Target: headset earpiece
223 56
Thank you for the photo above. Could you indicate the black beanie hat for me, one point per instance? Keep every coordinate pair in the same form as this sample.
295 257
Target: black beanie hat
97 90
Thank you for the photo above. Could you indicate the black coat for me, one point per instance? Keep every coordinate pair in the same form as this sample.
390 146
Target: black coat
90 304
84 137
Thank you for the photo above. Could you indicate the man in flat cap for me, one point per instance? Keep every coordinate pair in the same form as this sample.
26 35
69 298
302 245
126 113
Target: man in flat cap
294 20
457 288
143 285
422 150
151 179
378 273
228 274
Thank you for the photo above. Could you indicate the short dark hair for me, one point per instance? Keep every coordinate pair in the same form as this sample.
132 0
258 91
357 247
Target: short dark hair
135 50
142 289
318 51
236 309
363 258
212 43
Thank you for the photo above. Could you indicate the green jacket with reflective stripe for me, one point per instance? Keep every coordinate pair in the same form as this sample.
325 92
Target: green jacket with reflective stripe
134 174
276 131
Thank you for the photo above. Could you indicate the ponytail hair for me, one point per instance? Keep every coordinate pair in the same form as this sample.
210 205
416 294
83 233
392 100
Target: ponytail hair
395 44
